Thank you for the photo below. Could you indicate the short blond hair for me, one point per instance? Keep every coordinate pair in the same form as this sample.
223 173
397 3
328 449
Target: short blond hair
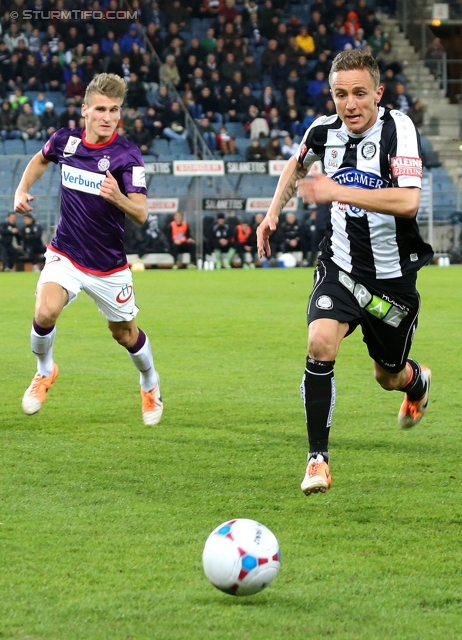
355 59
106 84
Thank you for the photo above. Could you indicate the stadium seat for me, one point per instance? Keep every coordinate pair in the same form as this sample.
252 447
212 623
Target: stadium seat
33 146
14 147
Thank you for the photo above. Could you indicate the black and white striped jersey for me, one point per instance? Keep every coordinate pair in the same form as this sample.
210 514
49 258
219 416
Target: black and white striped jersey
373 246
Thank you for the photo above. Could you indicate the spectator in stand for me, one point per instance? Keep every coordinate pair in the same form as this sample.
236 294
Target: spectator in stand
12 37
221 241
162 100
174 122
289 148
149 72
194 109
17 100
225 142
316 86
228 67
254 124
10 241
196 49
90 68
323 40
168 72
69 119
275 124
75 90
342 40
211 8
361 8
377 40
270 55
154 37
255 152
316 20
173 35
244 100
359 40
386 59
29 124
140 136
291 234
209 42
51 75
352 24
208 133
44 54
180 240
237 83
30 73
309 243
274 150
305 41
403 101
293 125
417 113
136 92
133 35
129 116
389 82
210 65
12 71
178 14
229 11
153 123
70 70
107 43
210 105
49 121
369 24
267 100
280 71
289 101
38 105
31 238
320 101
243 244
8 129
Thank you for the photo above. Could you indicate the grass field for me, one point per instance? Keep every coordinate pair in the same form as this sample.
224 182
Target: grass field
103 520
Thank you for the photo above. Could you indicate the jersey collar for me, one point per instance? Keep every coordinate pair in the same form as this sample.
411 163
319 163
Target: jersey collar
97 146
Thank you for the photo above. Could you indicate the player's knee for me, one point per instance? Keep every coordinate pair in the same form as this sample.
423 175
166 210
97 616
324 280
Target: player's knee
46 316
321 348
122 336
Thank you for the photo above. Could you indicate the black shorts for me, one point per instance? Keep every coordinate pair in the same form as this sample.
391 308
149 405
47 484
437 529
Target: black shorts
388 319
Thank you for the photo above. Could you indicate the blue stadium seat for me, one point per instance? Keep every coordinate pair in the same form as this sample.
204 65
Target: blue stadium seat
14 148
33 146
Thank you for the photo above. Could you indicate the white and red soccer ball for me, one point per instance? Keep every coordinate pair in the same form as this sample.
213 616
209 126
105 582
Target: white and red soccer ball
241 557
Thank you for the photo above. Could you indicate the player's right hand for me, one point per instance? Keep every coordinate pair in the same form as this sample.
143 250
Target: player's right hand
264 230
20 202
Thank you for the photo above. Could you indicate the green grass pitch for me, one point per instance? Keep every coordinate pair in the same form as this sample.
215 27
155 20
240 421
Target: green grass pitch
103 520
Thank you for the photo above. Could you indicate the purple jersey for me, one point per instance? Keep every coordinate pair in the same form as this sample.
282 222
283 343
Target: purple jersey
90 231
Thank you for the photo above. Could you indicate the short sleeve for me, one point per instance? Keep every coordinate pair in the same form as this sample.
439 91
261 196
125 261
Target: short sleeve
405 152
134 176
305 154
49 150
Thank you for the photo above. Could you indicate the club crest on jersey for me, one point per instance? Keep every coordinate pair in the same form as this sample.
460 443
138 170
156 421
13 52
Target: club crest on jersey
324 302
368 150
71 146
104 164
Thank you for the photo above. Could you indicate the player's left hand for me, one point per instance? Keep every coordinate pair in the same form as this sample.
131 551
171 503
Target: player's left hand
317 188
110 189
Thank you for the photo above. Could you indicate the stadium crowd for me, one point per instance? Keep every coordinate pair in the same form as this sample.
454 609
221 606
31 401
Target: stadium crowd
253 63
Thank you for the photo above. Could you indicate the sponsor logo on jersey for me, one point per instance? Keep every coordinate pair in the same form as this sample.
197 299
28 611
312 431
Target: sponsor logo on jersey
124 294
368 150
406 166
138 177
104 164
302 151
324 302
80 180
362 179
71 146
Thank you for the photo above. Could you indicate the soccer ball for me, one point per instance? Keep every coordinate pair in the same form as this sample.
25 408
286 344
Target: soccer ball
241 557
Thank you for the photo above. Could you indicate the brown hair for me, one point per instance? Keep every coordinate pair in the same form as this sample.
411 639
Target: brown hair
355 59
106 84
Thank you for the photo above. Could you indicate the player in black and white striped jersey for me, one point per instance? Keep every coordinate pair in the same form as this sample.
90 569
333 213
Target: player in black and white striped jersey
367 269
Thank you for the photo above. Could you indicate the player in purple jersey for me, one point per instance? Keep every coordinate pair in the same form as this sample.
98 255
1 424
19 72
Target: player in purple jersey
371 253
102 181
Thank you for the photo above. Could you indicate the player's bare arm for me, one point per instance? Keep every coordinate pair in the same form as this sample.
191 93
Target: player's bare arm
401 202
287 186
134 205
34 170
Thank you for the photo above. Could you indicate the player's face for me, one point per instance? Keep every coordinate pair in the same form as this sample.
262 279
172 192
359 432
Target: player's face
356 99
101 115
